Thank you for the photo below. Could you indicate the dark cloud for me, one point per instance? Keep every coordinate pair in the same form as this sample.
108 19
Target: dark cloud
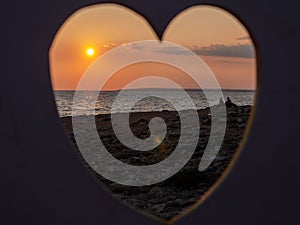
240 50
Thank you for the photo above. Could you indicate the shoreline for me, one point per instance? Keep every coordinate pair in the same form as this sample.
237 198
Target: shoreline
145 112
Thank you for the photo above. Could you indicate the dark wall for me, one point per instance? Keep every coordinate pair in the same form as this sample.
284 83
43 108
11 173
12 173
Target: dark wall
42 181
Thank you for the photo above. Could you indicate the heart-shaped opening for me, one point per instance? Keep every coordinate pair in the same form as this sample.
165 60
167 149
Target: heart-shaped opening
200 81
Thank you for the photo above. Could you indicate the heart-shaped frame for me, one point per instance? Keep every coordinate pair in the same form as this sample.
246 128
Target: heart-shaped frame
144 28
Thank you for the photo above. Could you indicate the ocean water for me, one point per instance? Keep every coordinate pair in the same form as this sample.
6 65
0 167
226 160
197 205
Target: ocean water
103 105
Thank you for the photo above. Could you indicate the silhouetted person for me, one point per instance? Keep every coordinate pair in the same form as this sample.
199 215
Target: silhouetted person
229 103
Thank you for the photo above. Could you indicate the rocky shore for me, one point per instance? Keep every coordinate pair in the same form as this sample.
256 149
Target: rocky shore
169 198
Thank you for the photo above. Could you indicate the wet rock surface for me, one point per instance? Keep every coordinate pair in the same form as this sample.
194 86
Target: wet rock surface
176 194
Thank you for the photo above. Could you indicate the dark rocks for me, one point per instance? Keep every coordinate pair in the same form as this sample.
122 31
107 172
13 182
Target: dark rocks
174 195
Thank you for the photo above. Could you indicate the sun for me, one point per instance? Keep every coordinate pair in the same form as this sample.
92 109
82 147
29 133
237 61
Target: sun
90 51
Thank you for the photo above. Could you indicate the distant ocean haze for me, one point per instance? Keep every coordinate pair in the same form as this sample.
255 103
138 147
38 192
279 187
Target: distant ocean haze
103 105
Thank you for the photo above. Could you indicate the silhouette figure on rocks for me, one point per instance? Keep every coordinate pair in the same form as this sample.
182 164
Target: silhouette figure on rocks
229 103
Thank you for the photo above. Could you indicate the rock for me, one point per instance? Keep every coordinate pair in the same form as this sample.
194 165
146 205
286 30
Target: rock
242 125
170 197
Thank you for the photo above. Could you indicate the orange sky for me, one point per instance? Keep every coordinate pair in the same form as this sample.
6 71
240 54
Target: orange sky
216 36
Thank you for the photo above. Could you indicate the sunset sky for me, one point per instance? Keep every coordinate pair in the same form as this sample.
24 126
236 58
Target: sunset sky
216 36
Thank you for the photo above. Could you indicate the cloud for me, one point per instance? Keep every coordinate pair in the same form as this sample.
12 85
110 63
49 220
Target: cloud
110 45
233 61
239 50
243 38
169 50
136 46
172 51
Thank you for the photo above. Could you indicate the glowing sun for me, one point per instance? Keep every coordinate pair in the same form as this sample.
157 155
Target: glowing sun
90 52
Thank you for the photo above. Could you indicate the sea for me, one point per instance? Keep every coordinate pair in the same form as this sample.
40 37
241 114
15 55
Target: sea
104 102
